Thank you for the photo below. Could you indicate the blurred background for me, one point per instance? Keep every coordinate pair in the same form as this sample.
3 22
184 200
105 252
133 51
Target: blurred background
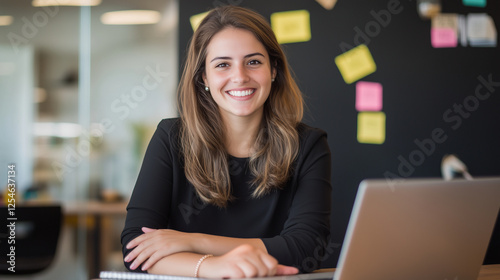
82 88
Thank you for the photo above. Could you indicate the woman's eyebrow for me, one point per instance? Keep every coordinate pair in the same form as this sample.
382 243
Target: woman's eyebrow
246 56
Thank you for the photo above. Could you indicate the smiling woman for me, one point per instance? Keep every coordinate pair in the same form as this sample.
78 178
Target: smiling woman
237 186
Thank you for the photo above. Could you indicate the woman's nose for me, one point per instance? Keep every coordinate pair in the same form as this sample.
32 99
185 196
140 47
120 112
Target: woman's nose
239 74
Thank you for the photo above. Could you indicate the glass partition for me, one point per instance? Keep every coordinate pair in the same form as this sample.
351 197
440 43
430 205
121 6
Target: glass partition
83 85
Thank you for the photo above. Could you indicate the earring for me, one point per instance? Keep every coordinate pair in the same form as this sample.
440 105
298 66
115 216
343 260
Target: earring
206 88
272 80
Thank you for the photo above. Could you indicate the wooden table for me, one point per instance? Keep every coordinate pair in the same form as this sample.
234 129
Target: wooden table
100 213
489 272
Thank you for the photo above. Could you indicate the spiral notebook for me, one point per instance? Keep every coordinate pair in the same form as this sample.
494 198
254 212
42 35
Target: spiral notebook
119 275
110 275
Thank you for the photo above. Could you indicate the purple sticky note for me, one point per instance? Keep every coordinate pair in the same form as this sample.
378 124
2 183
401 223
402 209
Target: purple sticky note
443 38
368 96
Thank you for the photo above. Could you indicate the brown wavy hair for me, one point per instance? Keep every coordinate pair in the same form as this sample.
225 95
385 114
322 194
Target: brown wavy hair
202 135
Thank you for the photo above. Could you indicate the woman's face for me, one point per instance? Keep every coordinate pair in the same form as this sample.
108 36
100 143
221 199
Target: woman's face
238 73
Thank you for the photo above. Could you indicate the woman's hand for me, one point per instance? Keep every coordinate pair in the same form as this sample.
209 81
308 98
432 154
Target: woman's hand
243 262
156 244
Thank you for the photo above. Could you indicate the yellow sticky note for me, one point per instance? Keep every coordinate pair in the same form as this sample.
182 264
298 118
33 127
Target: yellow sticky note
291 26
196 20
371 127
355 64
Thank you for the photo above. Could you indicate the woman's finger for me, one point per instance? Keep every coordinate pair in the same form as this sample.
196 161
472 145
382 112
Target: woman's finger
143 256
271 264
154 258
142 247
282 270
248 268
146 229
136 241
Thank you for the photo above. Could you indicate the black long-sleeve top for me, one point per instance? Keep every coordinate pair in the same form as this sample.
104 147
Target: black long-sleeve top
293 222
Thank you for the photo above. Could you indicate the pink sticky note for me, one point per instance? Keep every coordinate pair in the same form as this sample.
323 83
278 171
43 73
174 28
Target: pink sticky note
443 38
368 96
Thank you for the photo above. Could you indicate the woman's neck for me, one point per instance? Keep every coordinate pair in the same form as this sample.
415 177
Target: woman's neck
241 134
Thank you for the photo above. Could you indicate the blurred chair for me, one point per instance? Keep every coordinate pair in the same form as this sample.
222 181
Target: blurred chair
37 231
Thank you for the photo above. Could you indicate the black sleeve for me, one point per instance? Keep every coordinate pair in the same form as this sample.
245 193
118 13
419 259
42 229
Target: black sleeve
150 201
303 239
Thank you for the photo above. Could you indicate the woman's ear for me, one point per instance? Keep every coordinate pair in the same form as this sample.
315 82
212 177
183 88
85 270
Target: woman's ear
204 77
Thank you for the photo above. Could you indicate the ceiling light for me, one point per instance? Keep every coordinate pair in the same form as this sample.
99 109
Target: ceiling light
6 20
43 3
131 17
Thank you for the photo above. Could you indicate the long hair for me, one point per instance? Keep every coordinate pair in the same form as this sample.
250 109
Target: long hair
202 135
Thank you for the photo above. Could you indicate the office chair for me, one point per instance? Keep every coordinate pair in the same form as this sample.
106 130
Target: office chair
36 235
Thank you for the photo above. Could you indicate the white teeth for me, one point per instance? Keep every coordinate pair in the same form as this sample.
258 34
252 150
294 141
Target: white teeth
241 92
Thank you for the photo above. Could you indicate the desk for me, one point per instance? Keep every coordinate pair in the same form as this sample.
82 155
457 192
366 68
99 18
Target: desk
100 213
487 272
95 208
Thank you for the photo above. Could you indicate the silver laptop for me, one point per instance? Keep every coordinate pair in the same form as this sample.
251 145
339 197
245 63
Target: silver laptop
419 229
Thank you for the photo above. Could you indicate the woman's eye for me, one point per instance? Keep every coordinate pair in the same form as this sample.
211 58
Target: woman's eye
221 65
254 62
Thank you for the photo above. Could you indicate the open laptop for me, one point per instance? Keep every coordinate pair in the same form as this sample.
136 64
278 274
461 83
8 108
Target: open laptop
419 229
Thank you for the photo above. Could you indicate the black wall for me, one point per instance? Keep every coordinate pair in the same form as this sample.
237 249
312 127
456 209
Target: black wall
420 85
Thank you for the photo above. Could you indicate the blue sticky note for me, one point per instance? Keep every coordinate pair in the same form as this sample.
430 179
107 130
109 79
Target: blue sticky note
475 3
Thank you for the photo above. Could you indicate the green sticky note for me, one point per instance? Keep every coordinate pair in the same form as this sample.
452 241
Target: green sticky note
475 3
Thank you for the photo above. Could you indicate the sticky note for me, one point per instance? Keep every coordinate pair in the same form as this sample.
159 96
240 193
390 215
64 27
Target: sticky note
197 19
444 31
443 20
481 31
371 127
443 38
475 3
355 64
291 26
368 96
